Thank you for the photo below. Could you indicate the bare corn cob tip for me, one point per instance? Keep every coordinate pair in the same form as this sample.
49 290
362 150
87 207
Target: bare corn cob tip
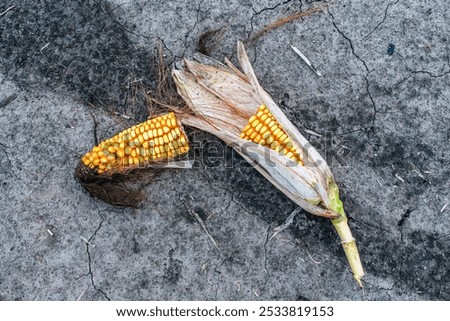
265 130
156 139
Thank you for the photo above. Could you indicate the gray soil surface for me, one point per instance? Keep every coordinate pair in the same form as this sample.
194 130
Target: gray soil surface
67 68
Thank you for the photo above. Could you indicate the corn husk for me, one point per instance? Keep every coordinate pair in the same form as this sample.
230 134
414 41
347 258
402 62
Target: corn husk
221 99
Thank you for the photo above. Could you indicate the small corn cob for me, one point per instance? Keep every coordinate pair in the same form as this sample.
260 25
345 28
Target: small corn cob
265 130
156 139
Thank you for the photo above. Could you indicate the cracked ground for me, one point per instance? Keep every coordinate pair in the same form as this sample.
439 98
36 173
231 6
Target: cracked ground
380 115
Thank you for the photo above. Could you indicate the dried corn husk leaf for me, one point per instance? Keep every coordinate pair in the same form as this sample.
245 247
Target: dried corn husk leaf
221 99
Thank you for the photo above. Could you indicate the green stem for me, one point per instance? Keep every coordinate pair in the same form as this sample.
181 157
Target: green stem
347 239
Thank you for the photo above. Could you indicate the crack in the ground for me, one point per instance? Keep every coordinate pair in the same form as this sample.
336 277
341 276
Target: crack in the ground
246 210
269 229
216 270
429 73
407 213
413 72
229 203
233 200
94 127
256 13
10 169
384 18
14 260
403 219
165 47
7 100
418 72
366 77
114 20
91 274
188 33
381 288
372 226
266 257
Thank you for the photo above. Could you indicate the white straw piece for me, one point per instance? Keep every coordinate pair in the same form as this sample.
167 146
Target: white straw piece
306 60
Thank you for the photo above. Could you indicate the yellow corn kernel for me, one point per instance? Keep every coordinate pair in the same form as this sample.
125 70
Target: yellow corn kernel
264 129
266 135
157 138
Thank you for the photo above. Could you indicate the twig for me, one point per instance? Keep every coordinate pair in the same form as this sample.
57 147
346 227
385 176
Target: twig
122 115
6 11
306 60
202 224
45 46
444 207
399 178
286 223
312 259
420 174
312 132
282 21
81 295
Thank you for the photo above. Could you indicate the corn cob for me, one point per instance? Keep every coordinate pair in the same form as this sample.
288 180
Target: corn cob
219 97
156 139
264 129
